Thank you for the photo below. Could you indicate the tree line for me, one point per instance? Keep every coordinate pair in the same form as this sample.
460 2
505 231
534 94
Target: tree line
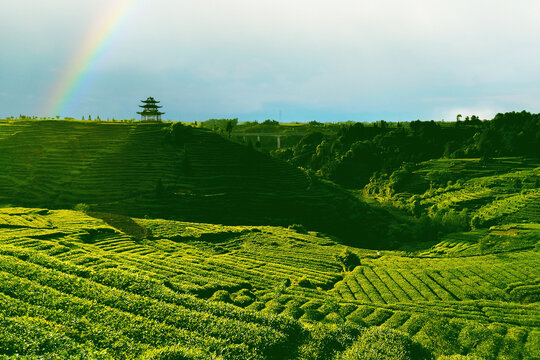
357 151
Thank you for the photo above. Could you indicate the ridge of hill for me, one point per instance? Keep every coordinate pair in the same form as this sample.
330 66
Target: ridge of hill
171 171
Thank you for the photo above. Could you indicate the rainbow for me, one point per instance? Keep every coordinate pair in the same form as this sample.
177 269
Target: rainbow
76 77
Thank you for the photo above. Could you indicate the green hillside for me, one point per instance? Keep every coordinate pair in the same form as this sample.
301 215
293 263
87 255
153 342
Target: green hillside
351 153
73 286
175 172
124 240
491 192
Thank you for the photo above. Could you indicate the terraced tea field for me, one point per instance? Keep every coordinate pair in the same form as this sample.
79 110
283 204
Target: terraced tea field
473 169
399 279
496 192
73 285
184 245
151 169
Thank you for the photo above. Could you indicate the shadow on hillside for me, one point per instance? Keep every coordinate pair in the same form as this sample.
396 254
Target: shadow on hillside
123 223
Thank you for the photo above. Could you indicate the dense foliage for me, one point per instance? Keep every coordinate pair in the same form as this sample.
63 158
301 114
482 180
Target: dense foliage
351 153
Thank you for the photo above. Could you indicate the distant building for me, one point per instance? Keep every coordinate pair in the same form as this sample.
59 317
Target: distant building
150 109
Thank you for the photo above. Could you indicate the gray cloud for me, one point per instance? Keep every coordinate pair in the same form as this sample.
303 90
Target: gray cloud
403 60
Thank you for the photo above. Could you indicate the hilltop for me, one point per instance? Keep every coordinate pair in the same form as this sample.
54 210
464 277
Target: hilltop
171 171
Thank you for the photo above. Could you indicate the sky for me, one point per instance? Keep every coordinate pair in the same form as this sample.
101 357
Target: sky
288 60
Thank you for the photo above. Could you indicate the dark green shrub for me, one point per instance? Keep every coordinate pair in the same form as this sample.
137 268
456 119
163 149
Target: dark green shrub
243 297
472 335
313 315
526 293
274 307
179 133
440 336
439 178
489 348
305 283
378 343
346 309
532 346
325 341
356 318
348 259
242 300
477 222
82 207
244 292
332 318
293 309
358 315
311 311
299 228
221 295
378 317
329 305
239 352
256 306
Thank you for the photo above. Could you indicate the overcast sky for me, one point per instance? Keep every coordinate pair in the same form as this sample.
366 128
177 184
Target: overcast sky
256 59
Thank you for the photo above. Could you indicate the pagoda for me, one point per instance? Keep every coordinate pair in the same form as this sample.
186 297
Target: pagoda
150 109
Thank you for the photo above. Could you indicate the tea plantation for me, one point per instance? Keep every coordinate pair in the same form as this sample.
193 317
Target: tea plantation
169 171
74 286
159 241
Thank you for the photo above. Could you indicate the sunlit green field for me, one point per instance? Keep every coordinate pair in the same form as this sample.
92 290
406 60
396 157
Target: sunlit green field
73 285
133 240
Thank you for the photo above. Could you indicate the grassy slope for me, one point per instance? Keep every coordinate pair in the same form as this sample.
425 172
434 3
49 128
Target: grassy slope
101 283
501 191
152 288
499 199
118 168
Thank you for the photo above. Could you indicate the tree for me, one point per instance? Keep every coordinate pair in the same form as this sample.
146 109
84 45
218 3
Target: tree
458 117
229 127
488 142
348 259
270 122
179 132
